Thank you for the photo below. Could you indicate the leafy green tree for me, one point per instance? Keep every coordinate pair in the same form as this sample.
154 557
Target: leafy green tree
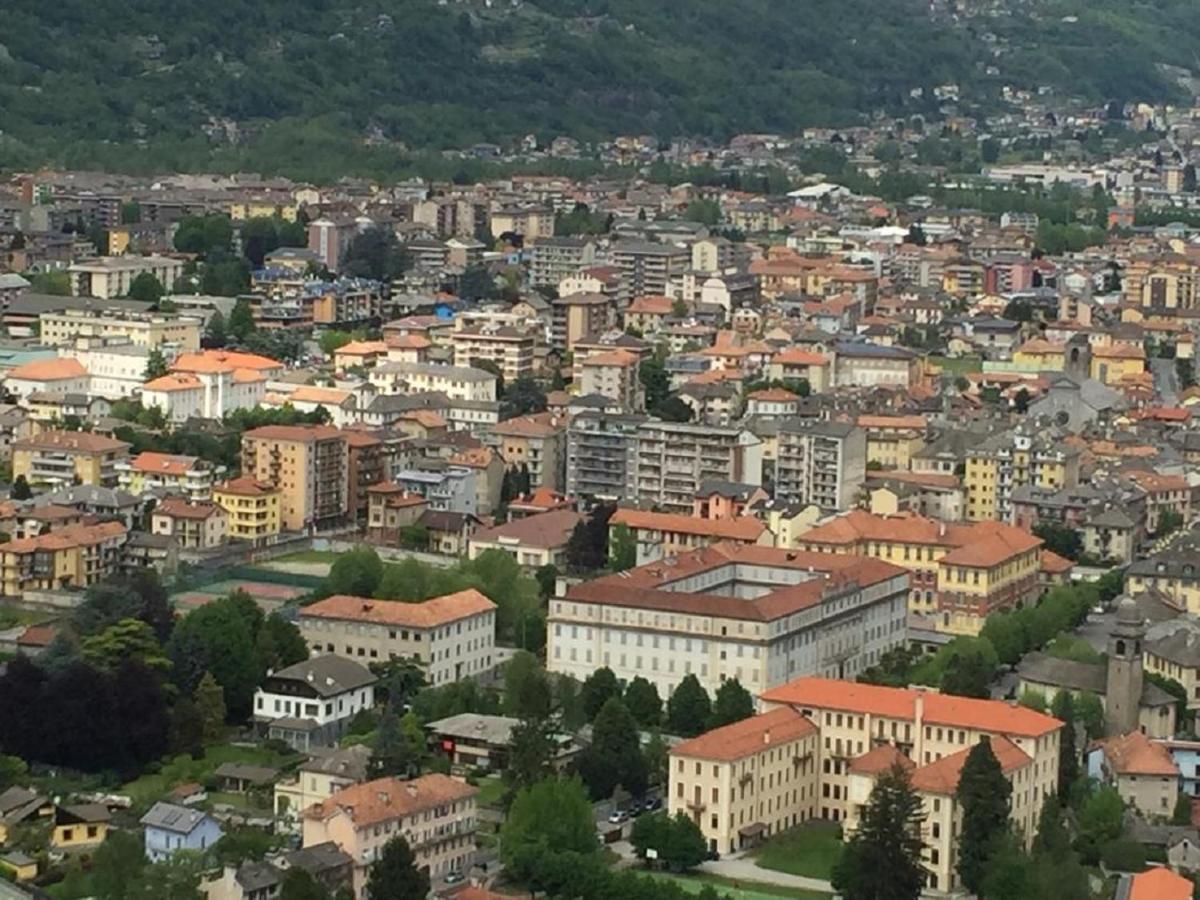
1007 874
299 885
146 288
547 578
209 235
968 676
374 253
521 398
477 283
1090 712
177 878
156 365
531 749
689 708
356 572
655 752
598 689
279 643
215 333
1099 822
677 840
210 708
20 489
1004 631
12 770
55 284
1061 539
241 320
550 817
984 795
526 687
614 756
882 860
243 843
399 746
1182 813
395 875
643 702
731 704
117 865
187 727
1068 758
124 640
622 548
587 548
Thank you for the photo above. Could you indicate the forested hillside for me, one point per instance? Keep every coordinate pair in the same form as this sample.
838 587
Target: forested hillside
271 84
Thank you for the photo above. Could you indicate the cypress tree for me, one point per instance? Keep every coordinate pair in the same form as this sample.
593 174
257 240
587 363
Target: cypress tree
985 797
882 861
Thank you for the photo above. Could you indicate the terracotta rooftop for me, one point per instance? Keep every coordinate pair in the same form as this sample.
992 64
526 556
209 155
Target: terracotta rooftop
213 361
304 433
773 395
163 463
747 737
993 716
917 423
179 508
425 614
386 799
1160 884
620 358
81 441
177 381
744 528
881 759
67 538
1136 754
59 369
245 487
362 348
941 776
1055 564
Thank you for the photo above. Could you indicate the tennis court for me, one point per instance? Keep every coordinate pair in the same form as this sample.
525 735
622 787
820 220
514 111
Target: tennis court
267 595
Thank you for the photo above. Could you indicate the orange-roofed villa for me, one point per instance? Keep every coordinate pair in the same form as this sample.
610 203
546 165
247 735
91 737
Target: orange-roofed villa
819 746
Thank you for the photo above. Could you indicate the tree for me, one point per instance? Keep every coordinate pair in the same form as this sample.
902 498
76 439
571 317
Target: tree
1100 822
128 639
677 841
279 643
671 409
521 398
547 578
1061 539
218 638
477 283
1168 521
20 489
622 548
1021 401
215 334
156 365
968 675
146 288
882 861
553 816
400 744
56 284
731 704
1068 760
526 687
1182 813
299 885
643 702
187 728
984 795
615 755
597 689
241 320
689 708
12 770
531 749
1004 631
117 865
210 708
1008 874
374 253
395 874
356 572
1089 711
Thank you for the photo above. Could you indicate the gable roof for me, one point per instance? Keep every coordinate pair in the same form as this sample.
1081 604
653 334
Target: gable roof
941 776
748 736
386 799
426 614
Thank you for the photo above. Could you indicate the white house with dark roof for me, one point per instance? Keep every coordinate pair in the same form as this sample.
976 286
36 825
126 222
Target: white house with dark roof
311 703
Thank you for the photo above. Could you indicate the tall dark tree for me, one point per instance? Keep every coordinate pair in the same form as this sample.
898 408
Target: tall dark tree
597 689
531 748
20 489
882 861
731 704
641 697
614 758
689 709
526 687
215 333
143 710
299 885
984 795
241 320
587 548
374 253
395 875
1068 757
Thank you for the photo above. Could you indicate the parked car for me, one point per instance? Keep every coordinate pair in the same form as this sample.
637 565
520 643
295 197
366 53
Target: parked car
618 816
453 877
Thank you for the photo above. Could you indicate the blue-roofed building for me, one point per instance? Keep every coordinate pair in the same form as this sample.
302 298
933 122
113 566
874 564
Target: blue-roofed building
171 828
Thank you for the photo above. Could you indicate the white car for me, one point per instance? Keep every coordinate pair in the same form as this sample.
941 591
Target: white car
618 817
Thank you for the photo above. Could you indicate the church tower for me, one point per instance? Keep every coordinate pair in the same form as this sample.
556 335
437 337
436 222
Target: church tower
1123 691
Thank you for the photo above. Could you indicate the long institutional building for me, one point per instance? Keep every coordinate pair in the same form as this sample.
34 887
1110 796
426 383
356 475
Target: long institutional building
820 745
758 614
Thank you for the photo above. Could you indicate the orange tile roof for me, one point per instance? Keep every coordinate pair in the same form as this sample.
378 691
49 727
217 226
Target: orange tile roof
773 395
744 528
60 369
925 479
884 422
247 376
305 433
309 394
1119 351
163 463
1160 884
67 538
181 381
386 799
212 361
1040 346
993 716
408 342
426 614
1156 483
997 543
796 356
653 304
1136 754
941 776
361 348
540 425
1055 564
621 358
747 737
246 487
179 508
81 441
881 759
474 457
426 418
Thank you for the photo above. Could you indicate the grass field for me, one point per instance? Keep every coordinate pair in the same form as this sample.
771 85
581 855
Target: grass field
960 366
810 850
491 790
737 890
182 769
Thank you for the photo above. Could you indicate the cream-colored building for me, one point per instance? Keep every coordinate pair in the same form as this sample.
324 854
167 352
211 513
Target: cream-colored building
108 277
434 813
142 329
195 525
456 382
1141 770
510 349
317 780
310 467
613 375
454 636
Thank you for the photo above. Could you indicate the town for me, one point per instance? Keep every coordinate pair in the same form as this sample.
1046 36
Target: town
800 515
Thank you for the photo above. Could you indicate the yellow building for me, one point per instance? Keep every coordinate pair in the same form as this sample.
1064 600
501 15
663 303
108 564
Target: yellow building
263 209
1010 460
253 508
142 329
83 826
72 557
1176 576
308 464
960 572
19 866
189 475
1117 363
1038 355
63 458
892 440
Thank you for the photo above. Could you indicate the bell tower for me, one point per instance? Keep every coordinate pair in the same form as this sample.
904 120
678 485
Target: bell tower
1123 690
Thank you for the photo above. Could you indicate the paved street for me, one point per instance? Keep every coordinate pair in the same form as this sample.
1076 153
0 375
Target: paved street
1166 381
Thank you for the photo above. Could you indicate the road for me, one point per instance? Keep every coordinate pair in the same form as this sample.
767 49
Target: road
743 868
1166 381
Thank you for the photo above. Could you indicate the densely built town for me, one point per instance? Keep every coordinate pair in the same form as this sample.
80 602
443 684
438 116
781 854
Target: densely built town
367 540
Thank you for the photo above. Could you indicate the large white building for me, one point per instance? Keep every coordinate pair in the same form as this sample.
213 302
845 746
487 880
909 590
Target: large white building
757 614
107 277
456 382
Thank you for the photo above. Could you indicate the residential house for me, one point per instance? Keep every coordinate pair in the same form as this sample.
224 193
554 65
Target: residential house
170 828
663 535
310 467
79 827
317 780
194 524
252 508
311 703
63 458
533 541
1141 770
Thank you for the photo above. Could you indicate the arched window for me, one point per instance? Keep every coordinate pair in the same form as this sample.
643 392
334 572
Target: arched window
1120 648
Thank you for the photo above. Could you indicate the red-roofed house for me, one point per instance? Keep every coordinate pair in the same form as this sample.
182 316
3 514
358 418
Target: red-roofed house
1155 884
1143 772
194 524
659 535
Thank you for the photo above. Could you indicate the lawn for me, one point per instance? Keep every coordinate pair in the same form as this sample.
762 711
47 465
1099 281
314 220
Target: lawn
491 791
183 769
308 556
739 889
960 366
810 850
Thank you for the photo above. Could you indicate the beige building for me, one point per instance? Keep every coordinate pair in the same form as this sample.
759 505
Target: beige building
309 465
1141 770
108 277
456 382
537 443
533 541
510 349
63 458
142 329
453 636
613 375
194 524
434 813
317 780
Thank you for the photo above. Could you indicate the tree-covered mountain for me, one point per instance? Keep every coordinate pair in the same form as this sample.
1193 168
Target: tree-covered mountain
141 83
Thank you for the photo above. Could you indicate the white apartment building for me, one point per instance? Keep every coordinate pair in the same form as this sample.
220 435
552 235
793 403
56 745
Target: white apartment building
453 636
757 614
115 370
456 382
613 375
674 459
820 463
509 348
180 334
205 395
108 277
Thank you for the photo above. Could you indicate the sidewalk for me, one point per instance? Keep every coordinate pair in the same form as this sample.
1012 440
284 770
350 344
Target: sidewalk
742 868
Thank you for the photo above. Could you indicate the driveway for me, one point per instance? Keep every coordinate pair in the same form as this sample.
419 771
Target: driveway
740 867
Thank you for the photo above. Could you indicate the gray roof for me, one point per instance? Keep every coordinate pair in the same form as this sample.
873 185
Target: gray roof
36 304
1079 676
243 772
91 495
476 726
348 762
319 858
170 817
1177 640
726 489
257 876
328 675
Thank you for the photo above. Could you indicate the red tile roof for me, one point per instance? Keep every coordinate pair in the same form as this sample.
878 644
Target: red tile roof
881 759
941 777
546 530
425 614
386 799
747 737
743 528
1160 884
60 369
1136 754
163 463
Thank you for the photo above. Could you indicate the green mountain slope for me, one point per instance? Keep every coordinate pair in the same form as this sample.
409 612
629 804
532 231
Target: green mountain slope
274 84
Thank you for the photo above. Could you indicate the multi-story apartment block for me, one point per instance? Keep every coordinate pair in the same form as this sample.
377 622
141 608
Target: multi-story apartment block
107 277
1173 575
551 259
577 316
310 467
1163 282
658 535
190 476
674 459
449 488
456 382
648 267
76 556
613 375
528 221
820 463
860 364
253 508
892 440
142 329
114 369
63 458
537 444
509 348
758 614
1011 459
961 572
602 456
193 524
452 636
434 813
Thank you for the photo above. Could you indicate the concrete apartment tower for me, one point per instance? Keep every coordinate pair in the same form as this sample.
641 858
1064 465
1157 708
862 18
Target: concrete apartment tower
1123 693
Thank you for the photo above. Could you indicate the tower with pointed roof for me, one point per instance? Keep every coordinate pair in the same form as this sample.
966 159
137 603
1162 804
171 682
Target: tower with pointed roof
1123 689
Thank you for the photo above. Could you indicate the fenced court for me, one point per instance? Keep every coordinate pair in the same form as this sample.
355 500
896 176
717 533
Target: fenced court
269 595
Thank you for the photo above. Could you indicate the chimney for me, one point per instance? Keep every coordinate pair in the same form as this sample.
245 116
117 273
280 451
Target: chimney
411 788
384 798
767 736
